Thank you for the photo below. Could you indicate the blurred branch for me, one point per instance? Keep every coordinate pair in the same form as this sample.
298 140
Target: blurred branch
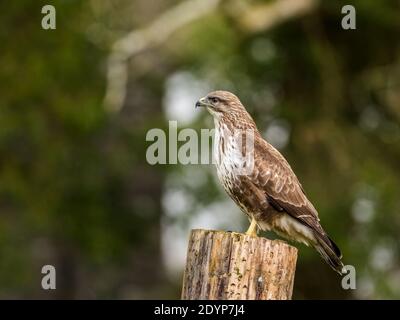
139 40
265 16
253 19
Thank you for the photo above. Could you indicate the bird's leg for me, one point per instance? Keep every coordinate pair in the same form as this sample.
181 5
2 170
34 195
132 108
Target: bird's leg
252 230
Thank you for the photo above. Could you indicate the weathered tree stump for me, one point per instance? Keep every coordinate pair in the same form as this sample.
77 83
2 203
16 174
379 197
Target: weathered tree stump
225 265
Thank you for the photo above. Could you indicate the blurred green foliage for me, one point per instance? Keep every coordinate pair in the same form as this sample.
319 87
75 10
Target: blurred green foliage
76 190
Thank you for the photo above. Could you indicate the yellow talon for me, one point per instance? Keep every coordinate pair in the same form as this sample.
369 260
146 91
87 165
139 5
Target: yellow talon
252 230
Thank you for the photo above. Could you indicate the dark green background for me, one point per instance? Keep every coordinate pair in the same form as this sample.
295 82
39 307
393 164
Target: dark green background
76 190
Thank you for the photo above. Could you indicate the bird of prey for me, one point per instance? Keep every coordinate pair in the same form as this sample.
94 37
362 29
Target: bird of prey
269 193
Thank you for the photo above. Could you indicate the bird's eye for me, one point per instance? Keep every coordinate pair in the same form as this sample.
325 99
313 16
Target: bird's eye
214 99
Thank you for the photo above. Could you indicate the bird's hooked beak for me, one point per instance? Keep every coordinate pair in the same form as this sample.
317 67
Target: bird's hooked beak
202 103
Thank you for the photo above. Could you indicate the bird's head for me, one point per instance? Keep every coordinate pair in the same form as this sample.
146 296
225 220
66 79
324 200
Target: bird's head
225 105
221 102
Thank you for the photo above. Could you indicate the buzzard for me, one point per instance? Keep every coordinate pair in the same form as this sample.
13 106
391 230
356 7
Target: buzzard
269 193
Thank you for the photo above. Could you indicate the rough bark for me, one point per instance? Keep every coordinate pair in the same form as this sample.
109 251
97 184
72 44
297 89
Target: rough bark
224 265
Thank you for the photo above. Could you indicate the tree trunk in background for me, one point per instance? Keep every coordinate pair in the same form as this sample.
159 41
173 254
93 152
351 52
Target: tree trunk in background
145 278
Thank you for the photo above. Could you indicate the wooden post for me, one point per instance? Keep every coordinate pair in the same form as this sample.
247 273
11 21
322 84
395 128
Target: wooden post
225 265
